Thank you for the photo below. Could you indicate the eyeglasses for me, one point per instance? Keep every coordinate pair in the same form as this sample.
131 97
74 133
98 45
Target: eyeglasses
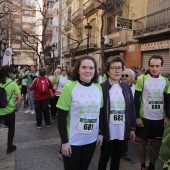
125 75
116 68
64 69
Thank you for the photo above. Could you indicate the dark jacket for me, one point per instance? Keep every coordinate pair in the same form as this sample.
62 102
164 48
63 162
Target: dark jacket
130 116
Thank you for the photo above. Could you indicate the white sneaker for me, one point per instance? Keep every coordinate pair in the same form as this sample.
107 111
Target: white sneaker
33 112
28 111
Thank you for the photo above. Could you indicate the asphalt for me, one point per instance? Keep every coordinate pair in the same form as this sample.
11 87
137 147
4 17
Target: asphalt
37 149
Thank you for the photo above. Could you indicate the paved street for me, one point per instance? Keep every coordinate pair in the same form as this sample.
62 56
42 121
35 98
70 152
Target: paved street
37 149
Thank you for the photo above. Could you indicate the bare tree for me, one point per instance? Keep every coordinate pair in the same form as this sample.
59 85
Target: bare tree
76 38
107 6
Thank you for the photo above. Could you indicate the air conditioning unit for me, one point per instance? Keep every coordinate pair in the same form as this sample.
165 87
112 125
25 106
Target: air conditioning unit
108 41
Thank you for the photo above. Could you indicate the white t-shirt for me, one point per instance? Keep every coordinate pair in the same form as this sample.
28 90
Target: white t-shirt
61 82
117 113
83 104
152 105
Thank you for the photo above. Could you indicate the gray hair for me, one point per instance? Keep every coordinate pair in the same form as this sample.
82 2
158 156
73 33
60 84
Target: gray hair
131 72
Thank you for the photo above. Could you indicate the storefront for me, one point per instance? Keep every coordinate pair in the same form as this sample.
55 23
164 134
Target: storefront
161 48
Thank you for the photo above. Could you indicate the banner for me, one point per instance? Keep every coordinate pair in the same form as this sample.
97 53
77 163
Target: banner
7 55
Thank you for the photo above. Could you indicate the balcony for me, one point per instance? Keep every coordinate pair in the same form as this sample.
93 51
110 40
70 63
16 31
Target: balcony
67 26
77 16
68 2
83 46
156 23
65 49
90 7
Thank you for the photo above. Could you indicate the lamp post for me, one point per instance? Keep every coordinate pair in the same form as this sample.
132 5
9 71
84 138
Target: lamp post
88 29
53 49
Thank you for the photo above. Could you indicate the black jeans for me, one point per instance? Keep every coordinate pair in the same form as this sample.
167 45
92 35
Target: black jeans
113 149
53 105
80 157
41 107
10 123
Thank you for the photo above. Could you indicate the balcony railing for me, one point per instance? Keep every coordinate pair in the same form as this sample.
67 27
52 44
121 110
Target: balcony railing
158 22
68 2
83 45
91 6
67 26
76 16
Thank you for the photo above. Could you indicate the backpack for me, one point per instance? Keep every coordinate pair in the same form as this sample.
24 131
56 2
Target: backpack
42 86
3 97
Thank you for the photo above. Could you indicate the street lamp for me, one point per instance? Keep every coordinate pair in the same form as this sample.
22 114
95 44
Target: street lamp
88 29
53 49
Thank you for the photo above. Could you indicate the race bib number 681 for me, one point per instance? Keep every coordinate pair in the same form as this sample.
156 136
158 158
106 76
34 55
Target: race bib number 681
87 126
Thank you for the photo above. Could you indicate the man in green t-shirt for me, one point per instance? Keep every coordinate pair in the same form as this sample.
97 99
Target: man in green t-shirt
8 113
30 94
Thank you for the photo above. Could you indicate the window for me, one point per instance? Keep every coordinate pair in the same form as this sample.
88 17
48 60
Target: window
28 19
29 3
50 21
111 24
16 3
50 4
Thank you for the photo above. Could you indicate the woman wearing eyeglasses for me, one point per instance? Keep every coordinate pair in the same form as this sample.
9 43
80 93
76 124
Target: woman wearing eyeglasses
118 115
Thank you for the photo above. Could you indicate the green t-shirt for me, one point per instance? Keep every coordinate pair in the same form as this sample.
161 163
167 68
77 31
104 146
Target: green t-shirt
30 80
10 88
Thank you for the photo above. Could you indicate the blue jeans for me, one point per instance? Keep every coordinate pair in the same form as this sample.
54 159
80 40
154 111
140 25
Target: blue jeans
30 95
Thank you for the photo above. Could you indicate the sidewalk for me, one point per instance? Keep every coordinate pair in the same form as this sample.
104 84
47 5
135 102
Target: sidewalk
37 149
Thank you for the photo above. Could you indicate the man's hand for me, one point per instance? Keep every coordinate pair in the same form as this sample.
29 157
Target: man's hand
166 121
139 122
99 141
66 149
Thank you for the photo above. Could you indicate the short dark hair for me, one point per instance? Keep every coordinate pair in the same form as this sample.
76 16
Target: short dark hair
4 73
113 59
156 57
75 74
42 72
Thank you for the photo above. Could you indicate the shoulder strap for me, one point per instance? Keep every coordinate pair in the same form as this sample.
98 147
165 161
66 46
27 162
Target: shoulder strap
11 94
8 83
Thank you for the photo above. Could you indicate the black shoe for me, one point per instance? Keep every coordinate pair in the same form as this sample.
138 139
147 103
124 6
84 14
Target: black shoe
10 150
126 157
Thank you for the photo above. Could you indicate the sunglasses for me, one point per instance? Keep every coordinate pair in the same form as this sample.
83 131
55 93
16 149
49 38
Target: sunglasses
125 75
64 69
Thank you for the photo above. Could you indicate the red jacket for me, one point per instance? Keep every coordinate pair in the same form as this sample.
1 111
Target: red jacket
37 95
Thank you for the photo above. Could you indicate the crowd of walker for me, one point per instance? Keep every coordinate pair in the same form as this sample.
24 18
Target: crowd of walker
94 108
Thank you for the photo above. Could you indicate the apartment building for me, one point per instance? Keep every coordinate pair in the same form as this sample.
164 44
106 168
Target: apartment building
47 30
148 36
75 15
56 35
152 30
23 17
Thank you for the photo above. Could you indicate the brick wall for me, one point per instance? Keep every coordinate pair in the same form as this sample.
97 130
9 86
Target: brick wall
133 57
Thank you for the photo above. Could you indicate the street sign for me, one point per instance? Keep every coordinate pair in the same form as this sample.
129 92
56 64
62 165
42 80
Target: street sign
123 23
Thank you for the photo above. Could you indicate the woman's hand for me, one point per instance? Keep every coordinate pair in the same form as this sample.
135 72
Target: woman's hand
66 149
99 141
132 136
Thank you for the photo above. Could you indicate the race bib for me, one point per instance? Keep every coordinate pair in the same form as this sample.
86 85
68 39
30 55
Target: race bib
155 105
117 117
87 126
